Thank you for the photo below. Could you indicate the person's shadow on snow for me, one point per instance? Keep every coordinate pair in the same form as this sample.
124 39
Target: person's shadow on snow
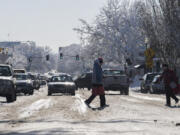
176 106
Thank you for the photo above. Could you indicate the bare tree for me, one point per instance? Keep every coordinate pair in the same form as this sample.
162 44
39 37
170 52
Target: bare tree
161 23
38 58
115 34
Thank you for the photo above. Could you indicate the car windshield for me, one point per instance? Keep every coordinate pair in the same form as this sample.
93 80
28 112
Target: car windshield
21 77
62 78
150 77
155 78
5 71
114 72
31 76
19 71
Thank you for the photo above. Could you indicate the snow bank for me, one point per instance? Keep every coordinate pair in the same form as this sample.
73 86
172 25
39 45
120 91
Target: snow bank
35 107
79 105
131 100
147 97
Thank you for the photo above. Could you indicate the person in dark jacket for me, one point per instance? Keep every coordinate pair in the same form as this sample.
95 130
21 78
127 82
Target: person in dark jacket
169 79
97 84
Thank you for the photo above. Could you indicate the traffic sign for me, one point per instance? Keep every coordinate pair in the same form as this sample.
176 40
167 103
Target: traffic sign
149 63
149 53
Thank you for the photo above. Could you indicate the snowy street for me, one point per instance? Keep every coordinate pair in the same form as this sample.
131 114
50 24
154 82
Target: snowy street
137 114
56 56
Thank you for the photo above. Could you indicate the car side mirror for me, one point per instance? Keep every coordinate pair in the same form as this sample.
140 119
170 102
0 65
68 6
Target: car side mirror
141 79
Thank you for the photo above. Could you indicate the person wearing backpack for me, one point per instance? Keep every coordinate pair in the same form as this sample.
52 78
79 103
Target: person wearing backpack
170 82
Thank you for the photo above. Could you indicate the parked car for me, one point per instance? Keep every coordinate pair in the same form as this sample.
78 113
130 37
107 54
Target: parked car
116 80
43 79
146 82
35 80
62 83
157 87
19 70
84 81
23 83
7 86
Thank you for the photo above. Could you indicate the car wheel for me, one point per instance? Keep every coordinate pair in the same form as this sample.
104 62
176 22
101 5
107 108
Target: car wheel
151 91
73 93
14 95
121 92
126 92
49 93
8 98
25 93
32 92
143 90
11 98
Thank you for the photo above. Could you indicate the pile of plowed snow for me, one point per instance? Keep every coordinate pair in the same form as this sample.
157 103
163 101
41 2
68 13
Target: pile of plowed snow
35 107
79 105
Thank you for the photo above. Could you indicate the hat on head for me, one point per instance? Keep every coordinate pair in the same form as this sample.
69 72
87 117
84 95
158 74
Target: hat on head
100 60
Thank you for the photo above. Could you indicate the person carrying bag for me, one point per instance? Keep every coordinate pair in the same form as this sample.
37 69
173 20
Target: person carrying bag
170 83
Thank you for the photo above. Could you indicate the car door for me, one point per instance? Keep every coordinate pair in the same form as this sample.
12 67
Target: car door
81 81
88 80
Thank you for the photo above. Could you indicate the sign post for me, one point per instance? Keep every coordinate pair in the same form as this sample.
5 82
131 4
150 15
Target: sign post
149 53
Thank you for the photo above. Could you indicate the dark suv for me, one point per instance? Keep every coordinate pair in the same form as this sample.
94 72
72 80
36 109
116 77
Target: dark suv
116 80
7 86
84 81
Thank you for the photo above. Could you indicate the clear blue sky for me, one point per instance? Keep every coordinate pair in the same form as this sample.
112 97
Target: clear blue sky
47 22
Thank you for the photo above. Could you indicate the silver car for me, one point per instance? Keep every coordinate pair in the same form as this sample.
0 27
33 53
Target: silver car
157 87
146 82
23 83
61 83
116 80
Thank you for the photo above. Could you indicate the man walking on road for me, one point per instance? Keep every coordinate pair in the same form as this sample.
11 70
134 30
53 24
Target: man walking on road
97 84
170 81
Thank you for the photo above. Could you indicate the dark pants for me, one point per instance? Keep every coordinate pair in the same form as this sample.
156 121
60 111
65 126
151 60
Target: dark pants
102 99
169 95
